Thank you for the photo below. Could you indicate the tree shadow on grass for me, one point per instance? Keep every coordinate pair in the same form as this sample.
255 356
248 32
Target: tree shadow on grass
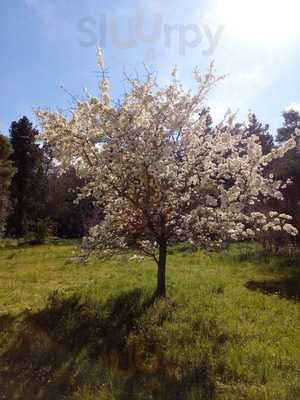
46 354
73 342
6 321
197 384
288 288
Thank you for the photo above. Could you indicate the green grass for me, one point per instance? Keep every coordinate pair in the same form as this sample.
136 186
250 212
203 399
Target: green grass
229 331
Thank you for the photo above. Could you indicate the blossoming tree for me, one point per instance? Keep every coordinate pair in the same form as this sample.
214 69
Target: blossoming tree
159 175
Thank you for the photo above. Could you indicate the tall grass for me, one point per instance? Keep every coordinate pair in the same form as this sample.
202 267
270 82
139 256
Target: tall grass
90 332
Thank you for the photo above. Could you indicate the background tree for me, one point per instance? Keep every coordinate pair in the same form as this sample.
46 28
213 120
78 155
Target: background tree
207 120
72 218
255 127
158 174
291 123
29 185
288 167
7 171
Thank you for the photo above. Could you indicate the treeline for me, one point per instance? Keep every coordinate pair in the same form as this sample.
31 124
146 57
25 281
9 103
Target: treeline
286 168
35 201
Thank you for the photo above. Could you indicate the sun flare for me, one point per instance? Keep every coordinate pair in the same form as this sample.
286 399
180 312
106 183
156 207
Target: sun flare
262 21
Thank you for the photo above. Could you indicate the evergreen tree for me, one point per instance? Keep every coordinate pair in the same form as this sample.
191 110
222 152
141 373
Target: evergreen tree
6 173
207 118
289 167
291 123
29 185
262 131
72 219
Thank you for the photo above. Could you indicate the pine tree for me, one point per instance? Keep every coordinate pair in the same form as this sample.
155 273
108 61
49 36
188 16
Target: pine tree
72 219
29 184
6 173
291 123
289 167
262 131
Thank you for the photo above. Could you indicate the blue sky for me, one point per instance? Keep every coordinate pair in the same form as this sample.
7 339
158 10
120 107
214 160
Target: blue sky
48 43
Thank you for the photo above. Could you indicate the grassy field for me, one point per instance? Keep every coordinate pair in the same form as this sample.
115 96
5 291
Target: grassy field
229 331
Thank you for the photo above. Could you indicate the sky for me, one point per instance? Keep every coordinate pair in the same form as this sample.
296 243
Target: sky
48 51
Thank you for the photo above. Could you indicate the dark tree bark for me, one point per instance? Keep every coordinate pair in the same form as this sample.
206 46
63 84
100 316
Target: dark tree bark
161 272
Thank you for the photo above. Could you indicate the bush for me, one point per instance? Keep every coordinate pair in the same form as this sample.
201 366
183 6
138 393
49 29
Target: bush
40 231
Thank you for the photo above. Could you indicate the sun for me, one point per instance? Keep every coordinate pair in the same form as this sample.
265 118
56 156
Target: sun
272 22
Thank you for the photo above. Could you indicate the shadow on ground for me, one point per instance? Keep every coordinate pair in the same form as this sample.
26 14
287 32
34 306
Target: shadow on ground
288 288
72 344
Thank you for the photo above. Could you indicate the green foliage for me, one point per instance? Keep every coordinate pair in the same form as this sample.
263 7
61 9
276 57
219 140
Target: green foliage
40 194
7 172
29 185
93 332
291 122
43 228
262 131
39 232
288 168
72 219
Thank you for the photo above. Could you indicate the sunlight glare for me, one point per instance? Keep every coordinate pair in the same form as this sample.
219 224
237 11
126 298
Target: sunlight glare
261 21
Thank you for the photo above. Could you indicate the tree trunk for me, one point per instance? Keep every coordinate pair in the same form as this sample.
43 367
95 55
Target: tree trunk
161 271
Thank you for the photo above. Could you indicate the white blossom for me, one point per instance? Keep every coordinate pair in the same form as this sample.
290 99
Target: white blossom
158 174
100 58
290 229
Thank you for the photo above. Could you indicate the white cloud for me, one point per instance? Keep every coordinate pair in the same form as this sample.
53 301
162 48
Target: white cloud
258 74
294 107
